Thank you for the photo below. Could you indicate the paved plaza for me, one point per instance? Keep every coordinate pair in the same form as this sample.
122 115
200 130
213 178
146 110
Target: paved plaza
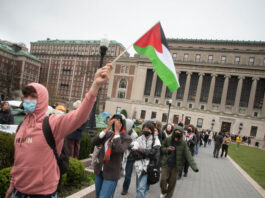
217 178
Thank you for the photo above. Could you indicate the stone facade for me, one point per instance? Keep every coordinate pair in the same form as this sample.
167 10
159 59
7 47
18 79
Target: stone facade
222 86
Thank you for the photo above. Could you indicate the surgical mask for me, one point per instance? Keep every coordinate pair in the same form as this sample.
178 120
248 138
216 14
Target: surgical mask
146 133
29 105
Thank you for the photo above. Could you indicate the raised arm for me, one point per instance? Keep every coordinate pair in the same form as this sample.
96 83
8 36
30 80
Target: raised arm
65 124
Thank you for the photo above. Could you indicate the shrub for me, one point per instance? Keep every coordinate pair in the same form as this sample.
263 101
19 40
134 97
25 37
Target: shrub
97 131
124 112
4 180
6 149
75 173
85 146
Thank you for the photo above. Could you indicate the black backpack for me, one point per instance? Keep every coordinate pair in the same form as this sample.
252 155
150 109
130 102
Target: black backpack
153 170
63 159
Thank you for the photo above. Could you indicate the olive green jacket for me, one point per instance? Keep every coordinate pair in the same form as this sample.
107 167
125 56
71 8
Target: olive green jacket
182 153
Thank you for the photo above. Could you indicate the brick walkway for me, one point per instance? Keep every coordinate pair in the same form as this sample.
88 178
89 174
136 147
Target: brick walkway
217 178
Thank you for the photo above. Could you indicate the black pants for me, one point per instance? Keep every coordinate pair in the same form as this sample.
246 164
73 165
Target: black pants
224 149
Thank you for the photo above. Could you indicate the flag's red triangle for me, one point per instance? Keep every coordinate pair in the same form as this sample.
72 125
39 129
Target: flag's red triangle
152 37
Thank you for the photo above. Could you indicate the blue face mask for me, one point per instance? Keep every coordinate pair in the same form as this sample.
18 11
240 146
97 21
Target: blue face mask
30 105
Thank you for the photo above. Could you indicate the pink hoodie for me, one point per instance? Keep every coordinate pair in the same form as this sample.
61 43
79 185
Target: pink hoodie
35 168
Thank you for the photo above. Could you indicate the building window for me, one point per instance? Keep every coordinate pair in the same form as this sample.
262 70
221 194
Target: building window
156 101
230 98
123 84
202 107
206 83
259 96
218 89
153 115
193 86
237 60
174 56
182 82
148 82
146 99
247 82
190 106
197 58
223 59
176 119
164 117
168 93
253 131
199 122
251 61
210 58
187 120
158 88
255 114
178 104
186 56
143 112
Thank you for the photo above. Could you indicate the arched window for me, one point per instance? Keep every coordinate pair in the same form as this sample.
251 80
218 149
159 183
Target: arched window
123 84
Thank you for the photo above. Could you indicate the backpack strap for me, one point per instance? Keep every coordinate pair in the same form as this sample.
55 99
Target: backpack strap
47 131
18 127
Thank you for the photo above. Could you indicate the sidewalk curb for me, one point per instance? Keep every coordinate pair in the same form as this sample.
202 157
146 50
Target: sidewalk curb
248 178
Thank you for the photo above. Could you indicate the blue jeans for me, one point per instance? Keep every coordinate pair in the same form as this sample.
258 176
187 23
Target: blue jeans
209 141
141 186
128 175
15 192
197 146
104 188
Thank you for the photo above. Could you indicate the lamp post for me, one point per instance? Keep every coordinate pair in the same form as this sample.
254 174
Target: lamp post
169 102
213 122
104 44
240 127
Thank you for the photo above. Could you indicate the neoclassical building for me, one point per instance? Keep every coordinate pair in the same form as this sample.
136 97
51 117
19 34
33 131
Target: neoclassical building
222 86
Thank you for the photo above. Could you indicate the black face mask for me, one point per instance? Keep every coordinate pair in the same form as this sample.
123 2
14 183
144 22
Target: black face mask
146 133
189 130
178 135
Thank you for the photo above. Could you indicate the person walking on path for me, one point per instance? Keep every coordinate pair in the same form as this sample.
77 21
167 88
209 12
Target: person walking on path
249 140
175 152
128 161
145 148
210 137
218 142
238 141
115 141
6 116
206 138
35 172
73 140
197 146
226 142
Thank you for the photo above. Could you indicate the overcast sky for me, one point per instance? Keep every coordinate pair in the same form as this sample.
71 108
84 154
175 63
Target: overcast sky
126 20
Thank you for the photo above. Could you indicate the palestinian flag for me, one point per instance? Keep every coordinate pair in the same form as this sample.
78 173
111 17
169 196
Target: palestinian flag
153 45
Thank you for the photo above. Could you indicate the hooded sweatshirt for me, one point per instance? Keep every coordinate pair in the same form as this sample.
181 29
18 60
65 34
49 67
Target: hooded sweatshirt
35 168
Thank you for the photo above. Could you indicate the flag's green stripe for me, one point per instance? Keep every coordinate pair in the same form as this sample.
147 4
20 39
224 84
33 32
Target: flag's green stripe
164 73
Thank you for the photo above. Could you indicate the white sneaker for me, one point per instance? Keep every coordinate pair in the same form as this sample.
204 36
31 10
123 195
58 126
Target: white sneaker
162 195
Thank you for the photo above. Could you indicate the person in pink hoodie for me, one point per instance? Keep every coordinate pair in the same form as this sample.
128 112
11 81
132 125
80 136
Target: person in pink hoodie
35 172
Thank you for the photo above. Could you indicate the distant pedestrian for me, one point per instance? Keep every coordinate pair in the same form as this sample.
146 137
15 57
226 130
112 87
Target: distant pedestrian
249 141
197 146
167 132
218 143
6 116
238 141
210 137
206 137
226 142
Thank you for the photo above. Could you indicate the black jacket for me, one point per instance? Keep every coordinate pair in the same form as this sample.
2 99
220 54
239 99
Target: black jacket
6 117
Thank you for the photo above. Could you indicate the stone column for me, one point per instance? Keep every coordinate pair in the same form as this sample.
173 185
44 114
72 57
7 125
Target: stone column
199 89
187 88
153 87
252 95
163 93
224 93
211 91
238 94
174 94
263 107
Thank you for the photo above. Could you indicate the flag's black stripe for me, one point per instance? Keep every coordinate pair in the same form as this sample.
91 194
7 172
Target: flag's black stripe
163 37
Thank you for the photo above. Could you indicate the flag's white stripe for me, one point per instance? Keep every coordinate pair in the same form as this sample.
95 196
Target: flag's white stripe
167 59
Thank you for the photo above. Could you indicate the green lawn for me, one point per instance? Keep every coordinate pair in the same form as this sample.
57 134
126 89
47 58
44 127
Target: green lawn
252 160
